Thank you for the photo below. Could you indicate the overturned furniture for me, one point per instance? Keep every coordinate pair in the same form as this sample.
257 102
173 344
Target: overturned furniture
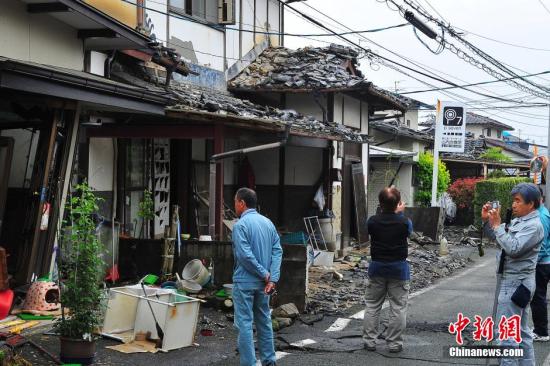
128 315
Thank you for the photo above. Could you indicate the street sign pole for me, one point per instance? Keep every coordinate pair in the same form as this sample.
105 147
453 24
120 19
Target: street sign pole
450 136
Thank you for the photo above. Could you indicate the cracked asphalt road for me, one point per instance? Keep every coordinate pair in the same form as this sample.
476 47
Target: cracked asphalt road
469 291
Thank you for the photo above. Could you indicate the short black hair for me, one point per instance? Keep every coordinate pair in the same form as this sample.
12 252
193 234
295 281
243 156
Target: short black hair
248 196
389 198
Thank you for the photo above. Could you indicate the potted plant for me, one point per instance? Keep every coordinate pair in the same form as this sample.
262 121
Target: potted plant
81 270
146 212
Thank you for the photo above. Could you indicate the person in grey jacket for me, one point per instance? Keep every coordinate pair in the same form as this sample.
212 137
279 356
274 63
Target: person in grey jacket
520 246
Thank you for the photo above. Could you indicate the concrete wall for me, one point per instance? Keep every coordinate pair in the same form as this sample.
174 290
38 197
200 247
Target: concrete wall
38 37
200 43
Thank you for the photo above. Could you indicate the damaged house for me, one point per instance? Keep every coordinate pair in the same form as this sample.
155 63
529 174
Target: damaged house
100 98
327 84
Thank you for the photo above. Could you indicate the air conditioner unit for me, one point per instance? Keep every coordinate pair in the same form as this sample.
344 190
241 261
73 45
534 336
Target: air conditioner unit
226 11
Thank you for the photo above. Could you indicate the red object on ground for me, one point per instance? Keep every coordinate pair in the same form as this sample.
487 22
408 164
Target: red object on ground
207 332
6 300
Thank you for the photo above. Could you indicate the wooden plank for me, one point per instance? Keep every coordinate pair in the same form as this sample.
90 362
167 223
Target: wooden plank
360 198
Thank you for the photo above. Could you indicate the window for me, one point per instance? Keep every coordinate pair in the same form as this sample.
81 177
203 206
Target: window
488 132
206 10
499 133
408 123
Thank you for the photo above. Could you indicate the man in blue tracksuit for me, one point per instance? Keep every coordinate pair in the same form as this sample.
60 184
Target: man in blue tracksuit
258 254
539 305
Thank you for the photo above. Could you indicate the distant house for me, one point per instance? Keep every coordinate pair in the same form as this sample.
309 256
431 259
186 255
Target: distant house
396 143
482 126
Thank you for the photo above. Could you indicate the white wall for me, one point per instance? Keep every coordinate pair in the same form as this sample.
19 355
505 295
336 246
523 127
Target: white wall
97 63
22 140
204 45
38 37
305 104
352 112
100 164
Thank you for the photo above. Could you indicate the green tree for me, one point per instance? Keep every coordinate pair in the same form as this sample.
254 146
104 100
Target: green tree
495 154
423 193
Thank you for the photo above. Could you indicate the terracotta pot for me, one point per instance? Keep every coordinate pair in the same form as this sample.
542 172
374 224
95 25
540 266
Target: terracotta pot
77 351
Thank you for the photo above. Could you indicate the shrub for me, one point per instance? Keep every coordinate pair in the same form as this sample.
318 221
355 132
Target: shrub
462 191
495 154
424 175
494 190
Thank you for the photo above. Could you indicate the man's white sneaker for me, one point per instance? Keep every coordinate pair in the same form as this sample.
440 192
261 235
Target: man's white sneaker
538 338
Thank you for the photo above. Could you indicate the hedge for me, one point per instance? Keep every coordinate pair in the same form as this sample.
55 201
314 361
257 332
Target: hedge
497 189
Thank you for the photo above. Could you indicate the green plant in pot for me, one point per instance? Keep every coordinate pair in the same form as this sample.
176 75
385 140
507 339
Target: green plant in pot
146 212
81 272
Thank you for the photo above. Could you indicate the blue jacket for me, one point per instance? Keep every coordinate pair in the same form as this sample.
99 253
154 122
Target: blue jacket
544 254
256 248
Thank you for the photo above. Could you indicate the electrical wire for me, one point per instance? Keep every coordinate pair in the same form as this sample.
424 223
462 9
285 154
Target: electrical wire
417 64
502 42
451 31
377 57
475 84
544 6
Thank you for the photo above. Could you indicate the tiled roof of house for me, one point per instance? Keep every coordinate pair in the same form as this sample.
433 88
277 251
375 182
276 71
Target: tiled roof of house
192 98
322 69
393 127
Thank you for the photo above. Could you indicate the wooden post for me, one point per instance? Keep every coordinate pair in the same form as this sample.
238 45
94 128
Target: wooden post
218 200
281 188
32 260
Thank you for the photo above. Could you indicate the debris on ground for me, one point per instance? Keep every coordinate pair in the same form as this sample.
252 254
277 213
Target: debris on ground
286 311
329 294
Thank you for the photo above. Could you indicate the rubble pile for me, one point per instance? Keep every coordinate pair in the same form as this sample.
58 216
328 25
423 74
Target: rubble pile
330 295
201 99
193 98
308 68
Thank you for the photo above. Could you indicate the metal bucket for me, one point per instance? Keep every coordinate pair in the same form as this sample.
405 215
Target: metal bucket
196 271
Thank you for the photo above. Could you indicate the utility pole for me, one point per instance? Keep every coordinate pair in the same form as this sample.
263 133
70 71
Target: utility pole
547 190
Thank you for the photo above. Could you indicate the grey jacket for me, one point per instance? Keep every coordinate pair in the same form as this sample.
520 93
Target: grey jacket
521 244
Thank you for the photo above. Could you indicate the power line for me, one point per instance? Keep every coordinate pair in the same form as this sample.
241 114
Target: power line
400 56
544 6
503 42
480 53
475 84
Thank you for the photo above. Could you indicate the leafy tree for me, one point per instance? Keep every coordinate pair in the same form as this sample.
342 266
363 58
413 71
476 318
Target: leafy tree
495 154
423 193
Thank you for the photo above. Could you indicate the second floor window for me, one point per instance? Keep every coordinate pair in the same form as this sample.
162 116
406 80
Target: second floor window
488 132
206 10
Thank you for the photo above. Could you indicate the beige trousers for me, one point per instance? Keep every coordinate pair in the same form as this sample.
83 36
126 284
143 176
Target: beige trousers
397 292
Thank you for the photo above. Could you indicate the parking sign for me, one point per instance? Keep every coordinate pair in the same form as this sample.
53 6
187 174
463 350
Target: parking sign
450 129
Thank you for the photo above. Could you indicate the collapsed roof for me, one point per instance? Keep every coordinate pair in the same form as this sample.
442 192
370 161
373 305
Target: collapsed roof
321 69
193 99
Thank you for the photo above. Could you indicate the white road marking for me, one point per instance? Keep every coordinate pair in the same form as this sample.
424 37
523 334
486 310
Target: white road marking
304 342
338 325
278 356
361 314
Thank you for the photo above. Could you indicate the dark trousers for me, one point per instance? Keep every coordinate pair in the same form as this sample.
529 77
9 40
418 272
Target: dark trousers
539 305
